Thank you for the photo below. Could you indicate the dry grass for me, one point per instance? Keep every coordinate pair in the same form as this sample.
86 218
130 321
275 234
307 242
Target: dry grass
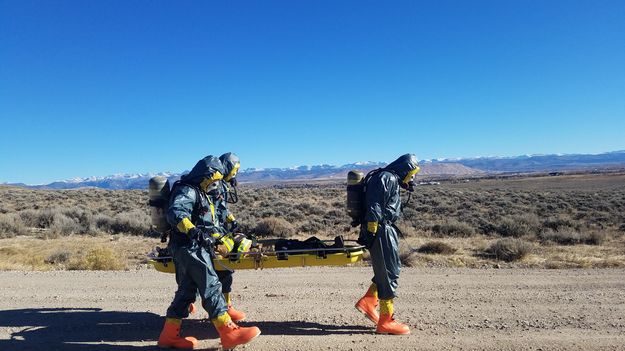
569 236
509 249
79 252
436 247
274 227
566 219
99 258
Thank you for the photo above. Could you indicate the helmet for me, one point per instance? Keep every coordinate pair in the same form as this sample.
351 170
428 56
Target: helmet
206 173
231 165
405 167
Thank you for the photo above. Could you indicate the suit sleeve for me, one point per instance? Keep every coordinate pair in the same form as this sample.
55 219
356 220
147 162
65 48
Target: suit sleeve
376 198
181 208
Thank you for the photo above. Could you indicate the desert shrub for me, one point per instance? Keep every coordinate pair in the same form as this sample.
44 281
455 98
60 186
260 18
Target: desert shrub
104 223
135 223
595 238
11 225
407 257
131 223
517 226
244 226
294 215
310 209
58 257
273 226
311 226
98 259
436 247
509 249
555 223
568 236
55 219
486 227
63 225
452 227
39 218
268 212
83 217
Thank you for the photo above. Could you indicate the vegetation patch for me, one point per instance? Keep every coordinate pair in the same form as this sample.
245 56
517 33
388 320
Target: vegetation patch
452 227
276 227
569 236
407 257
436 247
509 249
582 215
98 259
517 226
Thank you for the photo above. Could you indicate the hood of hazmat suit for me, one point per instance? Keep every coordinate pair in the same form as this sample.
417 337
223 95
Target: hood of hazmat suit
205 174
405 167
231 165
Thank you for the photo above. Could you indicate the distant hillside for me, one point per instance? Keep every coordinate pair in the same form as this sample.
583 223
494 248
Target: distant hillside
447 169
140 181
541 163
440 167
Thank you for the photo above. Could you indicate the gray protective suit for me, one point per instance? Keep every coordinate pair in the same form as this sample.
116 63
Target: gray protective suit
194 268
228 161
383 205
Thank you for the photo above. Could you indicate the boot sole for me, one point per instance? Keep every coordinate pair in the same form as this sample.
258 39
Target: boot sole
366 314
389 333
232 348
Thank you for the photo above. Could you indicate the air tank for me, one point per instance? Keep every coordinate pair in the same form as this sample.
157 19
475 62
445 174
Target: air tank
158 191
355 194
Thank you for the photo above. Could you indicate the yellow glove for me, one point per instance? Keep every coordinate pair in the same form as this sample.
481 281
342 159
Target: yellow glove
372 227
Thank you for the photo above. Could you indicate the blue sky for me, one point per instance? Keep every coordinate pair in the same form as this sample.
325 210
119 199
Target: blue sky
103 87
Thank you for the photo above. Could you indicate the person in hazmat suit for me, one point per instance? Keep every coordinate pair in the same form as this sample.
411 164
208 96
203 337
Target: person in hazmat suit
231 165
382 205
196 231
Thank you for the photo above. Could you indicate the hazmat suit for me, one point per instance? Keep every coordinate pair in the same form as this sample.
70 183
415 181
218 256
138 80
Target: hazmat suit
378 232
231 165
195 231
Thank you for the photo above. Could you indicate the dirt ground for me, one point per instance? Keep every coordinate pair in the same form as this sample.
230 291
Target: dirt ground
312 309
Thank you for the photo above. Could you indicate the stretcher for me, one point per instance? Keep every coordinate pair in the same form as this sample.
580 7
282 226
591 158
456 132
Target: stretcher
264 259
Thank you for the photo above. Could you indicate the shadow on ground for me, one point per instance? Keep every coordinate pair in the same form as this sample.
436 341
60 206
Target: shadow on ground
308 328
78 329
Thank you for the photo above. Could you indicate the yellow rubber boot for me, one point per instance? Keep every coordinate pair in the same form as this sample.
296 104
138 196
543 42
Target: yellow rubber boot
234 314
387 324
232 335
368 304
170 336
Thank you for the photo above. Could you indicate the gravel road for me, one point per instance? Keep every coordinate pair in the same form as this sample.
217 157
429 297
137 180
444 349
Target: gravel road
312 309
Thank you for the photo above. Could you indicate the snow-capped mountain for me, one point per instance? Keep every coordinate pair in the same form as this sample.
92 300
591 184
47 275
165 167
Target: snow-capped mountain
542 163
115 182
436 167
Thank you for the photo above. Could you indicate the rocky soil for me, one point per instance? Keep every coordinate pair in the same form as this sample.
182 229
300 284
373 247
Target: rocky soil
312 309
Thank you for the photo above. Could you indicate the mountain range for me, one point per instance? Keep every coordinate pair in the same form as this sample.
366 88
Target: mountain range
438 167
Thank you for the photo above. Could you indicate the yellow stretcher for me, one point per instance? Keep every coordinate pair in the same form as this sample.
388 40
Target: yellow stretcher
162 262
